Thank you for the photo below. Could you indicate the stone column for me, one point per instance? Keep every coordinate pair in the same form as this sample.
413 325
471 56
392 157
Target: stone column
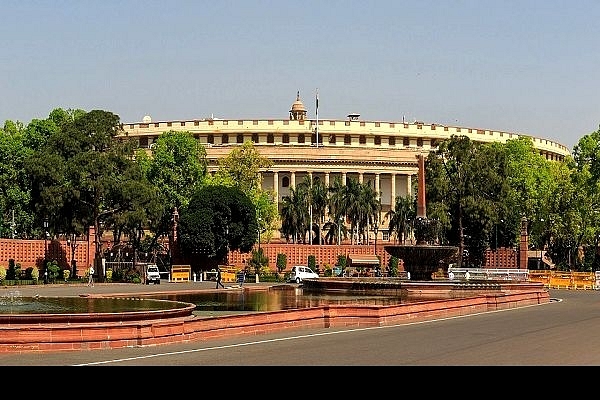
421 207
276 186
523 245
393 193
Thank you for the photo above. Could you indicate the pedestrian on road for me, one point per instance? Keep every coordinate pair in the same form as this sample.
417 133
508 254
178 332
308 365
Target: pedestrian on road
219 278
91 277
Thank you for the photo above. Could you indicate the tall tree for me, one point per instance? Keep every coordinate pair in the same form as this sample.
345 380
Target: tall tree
218 219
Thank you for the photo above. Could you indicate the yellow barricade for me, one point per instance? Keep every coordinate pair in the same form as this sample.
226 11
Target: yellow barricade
540 276
181 273
228 273
564 279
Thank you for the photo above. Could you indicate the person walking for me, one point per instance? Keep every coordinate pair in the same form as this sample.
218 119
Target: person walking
219 278
91 277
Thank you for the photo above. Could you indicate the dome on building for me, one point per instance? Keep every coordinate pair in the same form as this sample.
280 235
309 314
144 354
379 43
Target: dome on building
147 119
298 111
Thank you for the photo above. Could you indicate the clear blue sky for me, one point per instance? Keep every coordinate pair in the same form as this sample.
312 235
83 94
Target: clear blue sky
530 67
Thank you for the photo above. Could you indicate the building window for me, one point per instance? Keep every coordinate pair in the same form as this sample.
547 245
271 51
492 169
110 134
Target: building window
406 141
143 141
419 142
392 141
210 139
362 139
255 137
270 138
225 138
285 182
347 139
386 234
285 138
377 140
331 139
240 138
301 138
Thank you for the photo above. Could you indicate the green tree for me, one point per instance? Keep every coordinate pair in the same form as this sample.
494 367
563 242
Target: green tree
281 262
401 217
241 169
177 167
218 219
79 176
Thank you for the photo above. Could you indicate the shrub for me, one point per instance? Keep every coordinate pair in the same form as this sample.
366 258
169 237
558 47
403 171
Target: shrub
12 273
32 273
393 266
281 262
312 263
66 273
53 270
2 274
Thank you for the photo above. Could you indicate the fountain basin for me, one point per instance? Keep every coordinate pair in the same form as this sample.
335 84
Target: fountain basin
422 260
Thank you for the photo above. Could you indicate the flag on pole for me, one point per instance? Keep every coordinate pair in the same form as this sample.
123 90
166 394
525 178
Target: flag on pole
317 115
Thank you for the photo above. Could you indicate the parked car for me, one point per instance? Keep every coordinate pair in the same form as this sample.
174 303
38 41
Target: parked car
152 274
300 272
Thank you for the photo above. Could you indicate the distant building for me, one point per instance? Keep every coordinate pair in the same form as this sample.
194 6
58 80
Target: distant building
382 153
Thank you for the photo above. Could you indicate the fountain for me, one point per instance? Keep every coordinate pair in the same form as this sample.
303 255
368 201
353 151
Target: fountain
422 259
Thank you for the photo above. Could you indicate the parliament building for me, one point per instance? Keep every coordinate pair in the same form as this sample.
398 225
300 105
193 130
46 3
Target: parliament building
382 153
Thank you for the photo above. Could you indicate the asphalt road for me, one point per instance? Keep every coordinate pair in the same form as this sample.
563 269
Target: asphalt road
561 333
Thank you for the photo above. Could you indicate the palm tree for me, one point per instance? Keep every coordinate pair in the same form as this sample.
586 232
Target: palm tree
294 216
336 227
320 200
401 217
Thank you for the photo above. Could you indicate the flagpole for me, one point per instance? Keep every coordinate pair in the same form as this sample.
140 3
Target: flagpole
317 112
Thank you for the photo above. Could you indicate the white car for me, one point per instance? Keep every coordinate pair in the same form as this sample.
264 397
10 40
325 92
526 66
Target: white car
300 272
152 274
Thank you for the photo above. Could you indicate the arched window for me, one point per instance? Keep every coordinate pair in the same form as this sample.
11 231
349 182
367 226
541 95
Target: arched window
285 182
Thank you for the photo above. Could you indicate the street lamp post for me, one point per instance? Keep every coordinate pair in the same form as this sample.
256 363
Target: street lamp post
376 229
45 249
72 245
497 258
259 224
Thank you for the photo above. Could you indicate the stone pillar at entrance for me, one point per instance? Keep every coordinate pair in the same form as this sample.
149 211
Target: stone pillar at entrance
421 207
524 245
